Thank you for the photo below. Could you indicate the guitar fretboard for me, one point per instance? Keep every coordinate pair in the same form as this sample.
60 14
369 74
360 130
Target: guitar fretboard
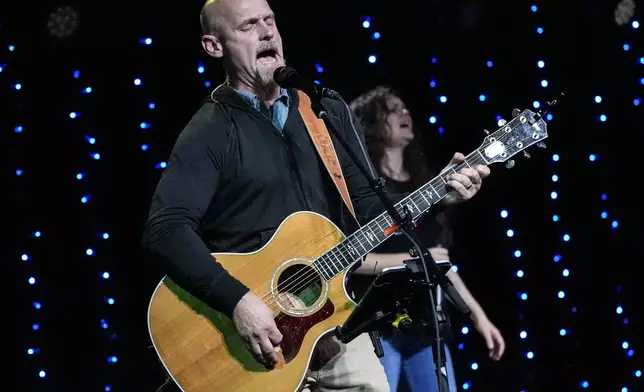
374 233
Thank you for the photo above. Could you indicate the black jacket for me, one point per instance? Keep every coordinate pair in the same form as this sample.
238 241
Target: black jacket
231 179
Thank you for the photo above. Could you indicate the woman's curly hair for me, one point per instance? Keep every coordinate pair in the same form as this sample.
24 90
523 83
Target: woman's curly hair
372 111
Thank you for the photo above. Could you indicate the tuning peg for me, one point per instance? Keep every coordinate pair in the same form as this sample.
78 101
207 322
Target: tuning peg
526 155
516 112
541 145
502 122
485 131
509 164
553 102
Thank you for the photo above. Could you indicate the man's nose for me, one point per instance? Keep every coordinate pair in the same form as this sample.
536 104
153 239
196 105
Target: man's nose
266 32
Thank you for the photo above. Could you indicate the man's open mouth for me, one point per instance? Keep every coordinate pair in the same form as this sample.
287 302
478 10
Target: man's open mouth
267 56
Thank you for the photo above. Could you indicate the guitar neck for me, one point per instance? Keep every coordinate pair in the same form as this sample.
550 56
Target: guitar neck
374 233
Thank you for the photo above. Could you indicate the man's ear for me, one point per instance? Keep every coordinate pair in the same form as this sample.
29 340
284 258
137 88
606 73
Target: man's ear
212 46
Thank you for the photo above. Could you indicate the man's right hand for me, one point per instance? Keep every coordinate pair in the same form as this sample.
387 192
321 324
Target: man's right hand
255 323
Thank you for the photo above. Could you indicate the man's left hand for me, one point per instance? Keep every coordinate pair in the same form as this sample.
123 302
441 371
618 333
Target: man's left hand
466 183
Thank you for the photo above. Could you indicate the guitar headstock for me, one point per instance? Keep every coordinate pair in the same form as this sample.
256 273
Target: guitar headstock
524 130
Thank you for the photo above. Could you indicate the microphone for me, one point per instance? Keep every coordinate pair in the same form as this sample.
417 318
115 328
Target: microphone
288 77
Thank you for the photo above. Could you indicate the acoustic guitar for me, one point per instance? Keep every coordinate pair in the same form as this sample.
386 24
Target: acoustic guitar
301 275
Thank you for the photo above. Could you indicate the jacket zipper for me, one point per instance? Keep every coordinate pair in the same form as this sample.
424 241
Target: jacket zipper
293 171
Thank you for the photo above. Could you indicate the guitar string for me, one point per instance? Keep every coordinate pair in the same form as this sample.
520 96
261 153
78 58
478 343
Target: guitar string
310 276
304 278
313 277
475 155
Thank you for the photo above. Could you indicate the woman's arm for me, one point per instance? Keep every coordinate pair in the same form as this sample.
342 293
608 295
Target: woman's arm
493 337
374 263
470 301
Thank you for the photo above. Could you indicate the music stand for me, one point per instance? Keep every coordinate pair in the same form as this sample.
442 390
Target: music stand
384 305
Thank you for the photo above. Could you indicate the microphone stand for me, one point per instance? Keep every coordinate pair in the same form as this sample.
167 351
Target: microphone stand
405 225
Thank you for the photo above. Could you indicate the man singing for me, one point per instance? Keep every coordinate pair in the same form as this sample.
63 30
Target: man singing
242 164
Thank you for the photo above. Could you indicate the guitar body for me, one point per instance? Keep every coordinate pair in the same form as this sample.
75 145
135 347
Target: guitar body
200 347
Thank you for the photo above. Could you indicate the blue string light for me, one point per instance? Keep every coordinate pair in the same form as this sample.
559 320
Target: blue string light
366 22
319 69
17 86
629 351
563 271
543 83
554 195
605 215
372 58
202 70
441 97
91 251
27 259
519 274
85 198
150 105
635 25
557 258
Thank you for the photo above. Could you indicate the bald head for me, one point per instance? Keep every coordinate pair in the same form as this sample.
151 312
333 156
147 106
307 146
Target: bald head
244 35
209 15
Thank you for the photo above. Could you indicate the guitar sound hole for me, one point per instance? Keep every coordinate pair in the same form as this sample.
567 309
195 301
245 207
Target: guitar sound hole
299 289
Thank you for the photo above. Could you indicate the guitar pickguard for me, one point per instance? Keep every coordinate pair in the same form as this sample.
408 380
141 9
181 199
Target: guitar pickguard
295 328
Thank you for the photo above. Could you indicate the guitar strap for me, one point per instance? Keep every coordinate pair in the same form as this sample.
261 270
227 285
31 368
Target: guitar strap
324 145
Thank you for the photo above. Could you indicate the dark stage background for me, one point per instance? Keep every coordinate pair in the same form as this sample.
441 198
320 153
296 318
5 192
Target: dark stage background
89 332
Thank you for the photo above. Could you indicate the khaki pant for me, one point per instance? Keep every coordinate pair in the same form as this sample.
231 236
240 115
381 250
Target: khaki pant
345 367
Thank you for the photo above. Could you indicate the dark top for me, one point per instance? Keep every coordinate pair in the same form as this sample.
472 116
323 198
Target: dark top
231 179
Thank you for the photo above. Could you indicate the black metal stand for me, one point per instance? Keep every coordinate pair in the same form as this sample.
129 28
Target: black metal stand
438 344
405 225
385 306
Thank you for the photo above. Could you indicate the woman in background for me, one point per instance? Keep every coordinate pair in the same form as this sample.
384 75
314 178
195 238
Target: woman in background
389 135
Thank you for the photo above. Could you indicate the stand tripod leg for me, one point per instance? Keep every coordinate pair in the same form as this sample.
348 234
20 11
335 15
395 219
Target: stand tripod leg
438 343
377 345
440 362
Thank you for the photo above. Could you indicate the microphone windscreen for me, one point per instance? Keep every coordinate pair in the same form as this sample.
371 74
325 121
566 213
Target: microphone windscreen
283 75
